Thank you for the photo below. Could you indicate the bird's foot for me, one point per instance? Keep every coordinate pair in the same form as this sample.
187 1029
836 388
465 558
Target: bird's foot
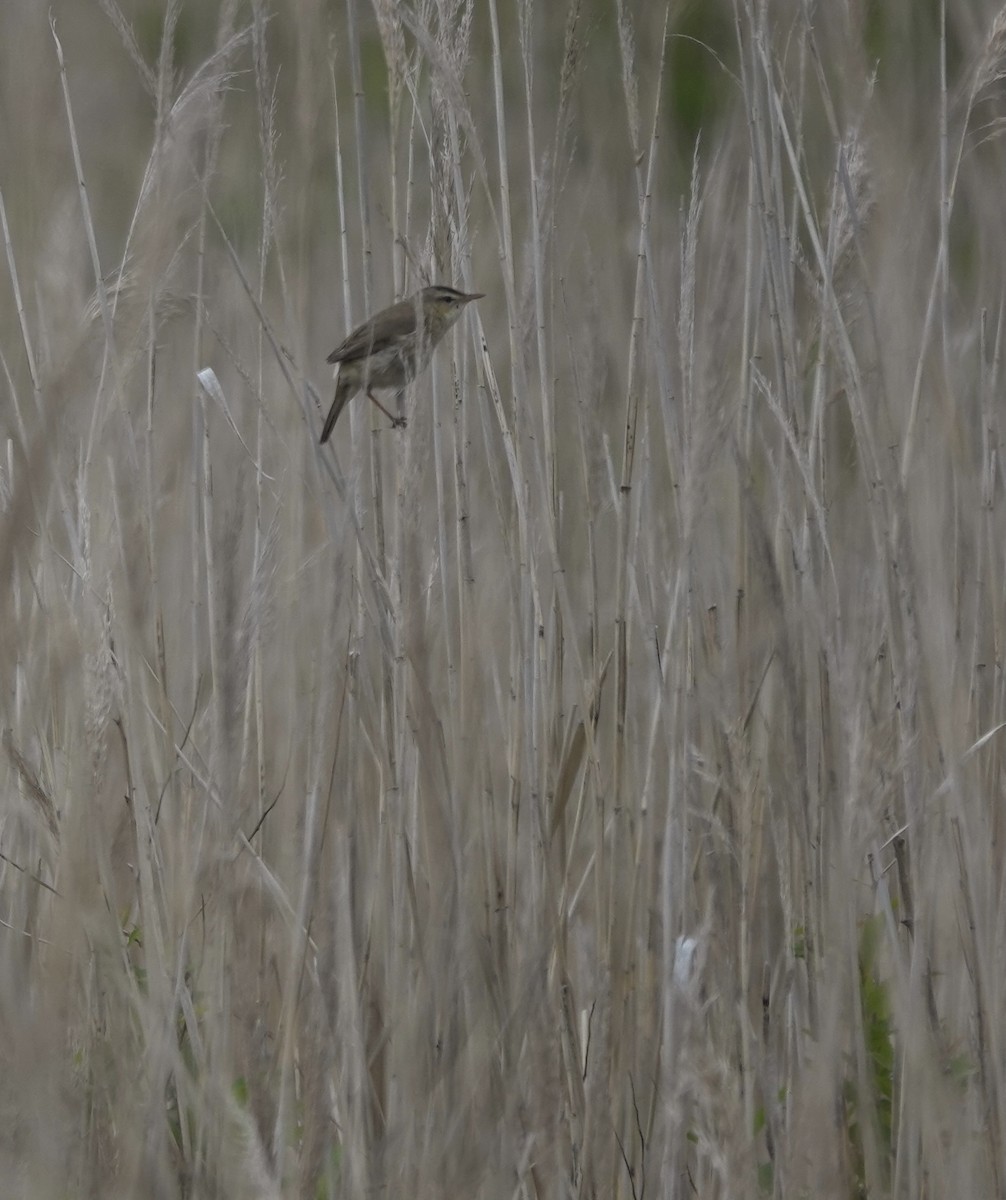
399 422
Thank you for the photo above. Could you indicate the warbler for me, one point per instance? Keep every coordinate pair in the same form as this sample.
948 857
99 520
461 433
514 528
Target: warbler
390 349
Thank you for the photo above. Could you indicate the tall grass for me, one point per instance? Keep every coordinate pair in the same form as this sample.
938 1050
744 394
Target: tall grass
596 788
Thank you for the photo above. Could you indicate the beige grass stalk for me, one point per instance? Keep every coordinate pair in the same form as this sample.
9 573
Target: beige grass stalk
254 707
617 913
344 970
360 131
391 734
110 359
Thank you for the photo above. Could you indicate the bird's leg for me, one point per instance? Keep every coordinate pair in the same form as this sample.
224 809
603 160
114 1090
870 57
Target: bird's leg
396 422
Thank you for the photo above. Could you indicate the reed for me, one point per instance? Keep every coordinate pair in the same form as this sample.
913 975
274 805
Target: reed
593 789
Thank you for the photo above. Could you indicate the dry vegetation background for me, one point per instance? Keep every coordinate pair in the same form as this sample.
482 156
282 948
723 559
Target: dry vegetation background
595 789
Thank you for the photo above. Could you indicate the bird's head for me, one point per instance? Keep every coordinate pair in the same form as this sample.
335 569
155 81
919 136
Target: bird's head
443 305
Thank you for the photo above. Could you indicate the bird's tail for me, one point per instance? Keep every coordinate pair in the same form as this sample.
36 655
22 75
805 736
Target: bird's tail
344 392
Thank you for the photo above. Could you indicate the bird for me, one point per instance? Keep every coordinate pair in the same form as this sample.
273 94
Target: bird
393 347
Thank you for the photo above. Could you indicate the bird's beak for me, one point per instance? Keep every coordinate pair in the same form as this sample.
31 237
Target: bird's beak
470 296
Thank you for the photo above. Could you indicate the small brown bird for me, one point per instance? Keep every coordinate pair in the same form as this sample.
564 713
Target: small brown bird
392 347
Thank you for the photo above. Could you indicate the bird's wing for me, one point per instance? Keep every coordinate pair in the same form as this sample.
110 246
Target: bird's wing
396 322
